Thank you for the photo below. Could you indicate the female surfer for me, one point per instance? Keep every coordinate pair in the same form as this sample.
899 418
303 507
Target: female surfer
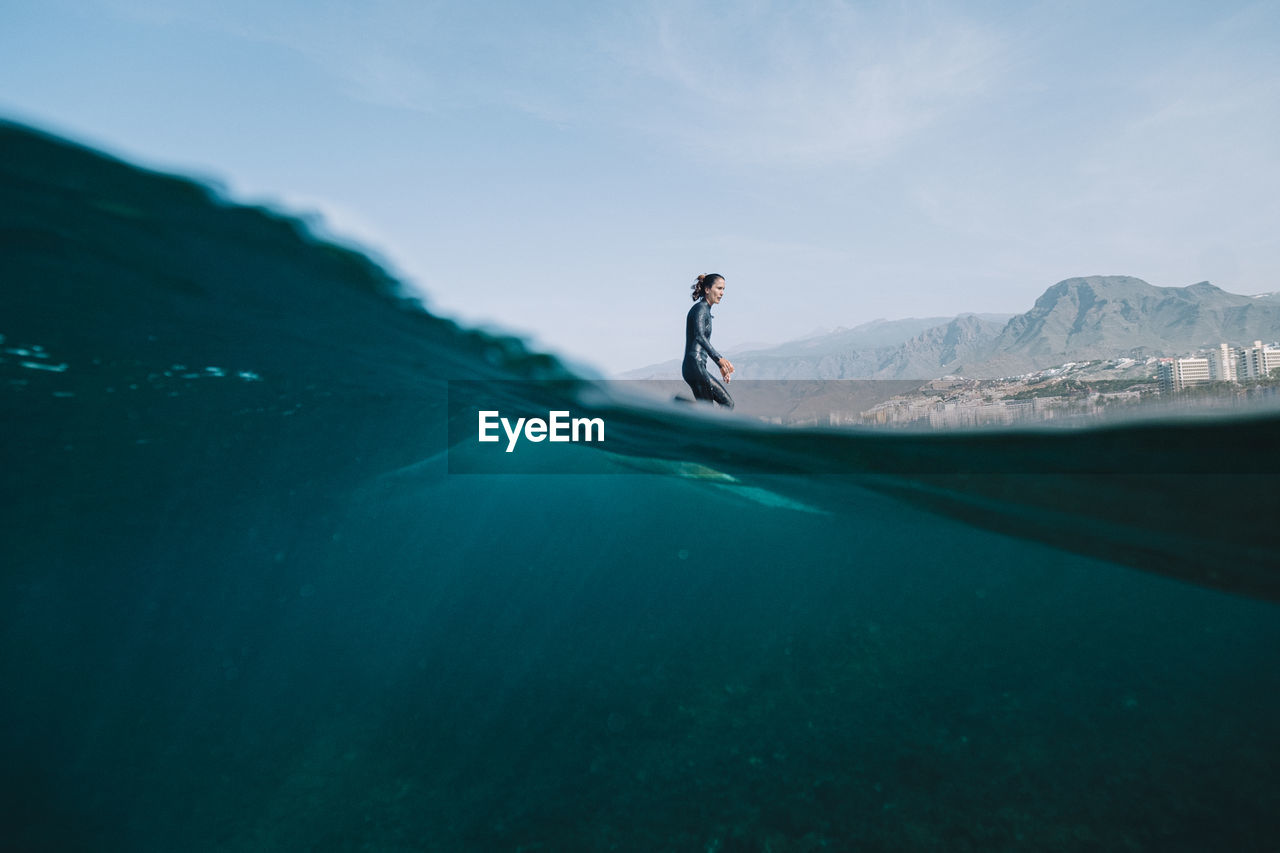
708 290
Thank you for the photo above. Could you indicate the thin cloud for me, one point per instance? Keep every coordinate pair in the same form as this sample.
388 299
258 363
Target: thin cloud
375 52
750 82
775 86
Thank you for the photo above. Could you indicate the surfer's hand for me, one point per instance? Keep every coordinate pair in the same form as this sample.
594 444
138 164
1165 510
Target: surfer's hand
726 368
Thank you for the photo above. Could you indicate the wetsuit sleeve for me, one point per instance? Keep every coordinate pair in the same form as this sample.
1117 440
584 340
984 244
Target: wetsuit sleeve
696 326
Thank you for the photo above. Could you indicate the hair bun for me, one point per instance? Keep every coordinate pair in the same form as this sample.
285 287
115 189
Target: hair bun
700 278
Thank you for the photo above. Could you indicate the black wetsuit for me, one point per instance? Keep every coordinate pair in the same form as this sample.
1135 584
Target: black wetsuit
697 346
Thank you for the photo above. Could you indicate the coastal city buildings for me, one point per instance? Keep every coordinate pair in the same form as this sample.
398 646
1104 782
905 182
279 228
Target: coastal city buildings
1257 361
1221 364
1082 390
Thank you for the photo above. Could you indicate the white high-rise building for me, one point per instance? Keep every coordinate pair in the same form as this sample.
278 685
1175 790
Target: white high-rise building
1257 361
1222 363
1177 373
1191 371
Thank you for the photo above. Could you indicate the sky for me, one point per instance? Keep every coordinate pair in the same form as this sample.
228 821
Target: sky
564 170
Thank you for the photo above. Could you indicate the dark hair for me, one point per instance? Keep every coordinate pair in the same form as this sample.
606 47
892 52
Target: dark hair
705 283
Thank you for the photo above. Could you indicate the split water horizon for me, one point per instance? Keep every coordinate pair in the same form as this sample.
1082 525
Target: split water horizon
263 589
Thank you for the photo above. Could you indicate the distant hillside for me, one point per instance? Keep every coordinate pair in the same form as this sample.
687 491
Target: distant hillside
1080 319
967 339
843 353
877 333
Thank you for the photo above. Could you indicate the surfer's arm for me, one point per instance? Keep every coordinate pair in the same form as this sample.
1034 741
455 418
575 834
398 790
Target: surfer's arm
699 336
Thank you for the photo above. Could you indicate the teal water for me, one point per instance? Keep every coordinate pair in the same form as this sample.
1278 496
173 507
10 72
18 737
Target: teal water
246 605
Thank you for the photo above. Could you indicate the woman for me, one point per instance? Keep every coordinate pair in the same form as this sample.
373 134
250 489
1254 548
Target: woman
707 291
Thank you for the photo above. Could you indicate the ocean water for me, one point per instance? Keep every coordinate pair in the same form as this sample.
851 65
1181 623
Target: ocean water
253 599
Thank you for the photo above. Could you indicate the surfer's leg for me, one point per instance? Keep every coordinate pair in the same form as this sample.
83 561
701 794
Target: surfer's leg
696 378
702 392
704 385
717 392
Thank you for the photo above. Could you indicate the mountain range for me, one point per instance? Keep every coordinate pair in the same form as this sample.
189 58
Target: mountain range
1079 319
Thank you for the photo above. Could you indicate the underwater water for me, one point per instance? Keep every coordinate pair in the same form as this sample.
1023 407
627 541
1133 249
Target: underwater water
252 601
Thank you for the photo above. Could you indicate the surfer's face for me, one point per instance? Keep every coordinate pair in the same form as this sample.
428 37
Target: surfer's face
715 292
